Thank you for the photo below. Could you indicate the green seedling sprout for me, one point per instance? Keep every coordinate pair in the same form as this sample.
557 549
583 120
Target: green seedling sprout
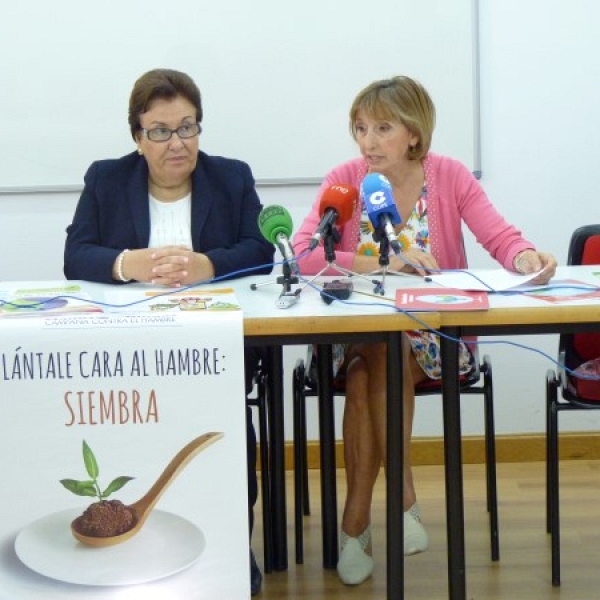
91 486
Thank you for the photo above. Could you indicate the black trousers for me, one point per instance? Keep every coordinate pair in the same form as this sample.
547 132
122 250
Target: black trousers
252 358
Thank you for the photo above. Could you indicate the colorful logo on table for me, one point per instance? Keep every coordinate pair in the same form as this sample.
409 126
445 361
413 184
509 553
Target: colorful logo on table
444 299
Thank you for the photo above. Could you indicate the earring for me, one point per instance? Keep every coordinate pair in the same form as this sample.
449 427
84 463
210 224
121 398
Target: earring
140 151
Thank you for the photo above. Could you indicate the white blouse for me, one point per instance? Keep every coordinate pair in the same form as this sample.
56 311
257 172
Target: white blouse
170 222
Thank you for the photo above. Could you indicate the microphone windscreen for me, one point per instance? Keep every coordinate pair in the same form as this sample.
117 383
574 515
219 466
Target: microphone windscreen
342 198
274 220
375 182
378 198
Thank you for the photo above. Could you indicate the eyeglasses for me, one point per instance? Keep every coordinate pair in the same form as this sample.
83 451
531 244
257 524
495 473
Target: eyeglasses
163 134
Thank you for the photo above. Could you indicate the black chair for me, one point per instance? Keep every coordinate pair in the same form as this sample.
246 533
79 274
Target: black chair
258 398
478 381
575 394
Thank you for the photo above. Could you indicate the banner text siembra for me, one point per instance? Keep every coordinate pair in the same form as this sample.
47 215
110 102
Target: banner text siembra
112 405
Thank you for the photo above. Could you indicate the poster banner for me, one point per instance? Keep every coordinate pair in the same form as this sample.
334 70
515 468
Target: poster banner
94 406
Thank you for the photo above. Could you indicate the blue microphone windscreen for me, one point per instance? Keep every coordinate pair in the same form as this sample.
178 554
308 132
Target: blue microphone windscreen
378 198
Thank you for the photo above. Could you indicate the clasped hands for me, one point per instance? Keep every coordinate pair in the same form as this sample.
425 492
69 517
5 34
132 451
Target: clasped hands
169 266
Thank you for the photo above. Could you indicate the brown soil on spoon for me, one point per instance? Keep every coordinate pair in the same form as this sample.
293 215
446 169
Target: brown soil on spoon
105 519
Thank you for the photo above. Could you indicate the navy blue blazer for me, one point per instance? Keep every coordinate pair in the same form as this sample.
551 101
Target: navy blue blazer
113 213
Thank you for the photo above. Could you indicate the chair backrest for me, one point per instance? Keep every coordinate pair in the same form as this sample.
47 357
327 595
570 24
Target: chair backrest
576 349
584 249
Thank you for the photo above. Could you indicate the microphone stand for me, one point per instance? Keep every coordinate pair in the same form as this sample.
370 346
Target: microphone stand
384 261
330 238
288 297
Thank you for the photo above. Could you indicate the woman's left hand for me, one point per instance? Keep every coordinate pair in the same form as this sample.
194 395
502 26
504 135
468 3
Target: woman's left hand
530 261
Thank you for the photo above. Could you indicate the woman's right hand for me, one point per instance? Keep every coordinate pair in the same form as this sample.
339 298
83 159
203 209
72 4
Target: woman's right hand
414 260
135 265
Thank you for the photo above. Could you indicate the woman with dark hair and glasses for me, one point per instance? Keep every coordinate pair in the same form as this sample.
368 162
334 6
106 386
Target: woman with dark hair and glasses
170 214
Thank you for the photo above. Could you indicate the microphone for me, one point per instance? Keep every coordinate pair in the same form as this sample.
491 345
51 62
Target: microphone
337 206
377 196
275 224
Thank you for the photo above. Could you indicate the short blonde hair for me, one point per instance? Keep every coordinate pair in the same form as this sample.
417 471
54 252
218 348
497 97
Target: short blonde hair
400 99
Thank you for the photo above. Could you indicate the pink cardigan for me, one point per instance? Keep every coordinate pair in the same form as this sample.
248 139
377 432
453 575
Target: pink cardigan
453 196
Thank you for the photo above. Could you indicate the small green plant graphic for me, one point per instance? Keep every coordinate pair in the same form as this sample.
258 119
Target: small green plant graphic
91 487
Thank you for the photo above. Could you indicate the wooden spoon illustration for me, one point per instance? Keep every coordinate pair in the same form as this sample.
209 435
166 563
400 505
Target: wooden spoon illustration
143 507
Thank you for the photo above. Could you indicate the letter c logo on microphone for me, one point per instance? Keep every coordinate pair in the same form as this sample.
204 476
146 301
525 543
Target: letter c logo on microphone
377 198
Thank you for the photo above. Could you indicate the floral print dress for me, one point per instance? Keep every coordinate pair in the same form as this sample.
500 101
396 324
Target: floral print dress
425 344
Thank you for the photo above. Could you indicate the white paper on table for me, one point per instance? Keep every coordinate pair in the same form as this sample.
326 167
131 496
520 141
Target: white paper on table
485 280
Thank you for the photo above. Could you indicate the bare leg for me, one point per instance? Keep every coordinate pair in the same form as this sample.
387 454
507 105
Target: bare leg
365 429
364 450
361 449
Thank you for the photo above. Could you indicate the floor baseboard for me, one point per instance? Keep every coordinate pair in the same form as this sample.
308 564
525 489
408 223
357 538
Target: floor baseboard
509 448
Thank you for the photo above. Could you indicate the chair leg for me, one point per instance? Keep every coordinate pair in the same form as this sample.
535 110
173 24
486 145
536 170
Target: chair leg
265 476
304 450
490 459
553 479
329 519
550 400
300 467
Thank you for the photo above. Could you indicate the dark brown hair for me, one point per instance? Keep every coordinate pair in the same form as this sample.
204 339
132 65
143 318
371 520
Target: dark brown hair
165 84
